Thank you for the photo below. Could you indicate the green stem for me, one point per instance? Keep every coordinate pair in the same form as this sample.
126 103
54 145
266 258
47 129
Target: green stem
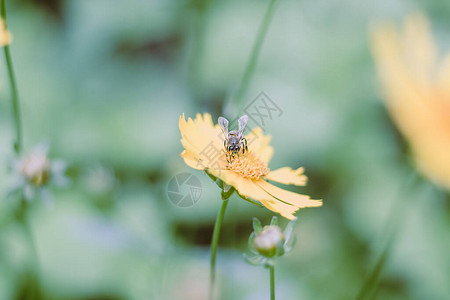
18 144
214 244
200 9
393 225
14 92
272 282
371 281
33 278
250 68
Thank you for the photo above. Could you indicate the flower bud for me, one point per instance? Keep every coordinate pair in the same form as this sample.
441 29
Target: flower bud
36 169
269 240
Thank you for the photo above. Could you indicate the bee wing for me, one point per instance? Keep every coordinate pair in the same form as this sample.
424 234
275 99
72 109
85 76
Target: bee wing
223 123
242 122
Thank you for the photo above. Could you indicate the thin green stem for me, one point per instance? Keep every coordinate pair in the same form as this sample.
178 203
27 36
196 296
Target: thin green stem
214 244
14 91
34 270
272 282
393 225
250 68
200 10
372 280
18 144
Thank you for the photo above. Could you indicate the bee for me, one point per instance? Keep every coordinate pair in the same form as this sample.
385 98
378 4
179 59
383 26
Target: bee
234 141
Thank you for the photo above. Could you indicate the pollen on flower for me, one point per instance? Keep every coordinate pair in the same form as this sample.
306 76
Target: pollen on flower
249 166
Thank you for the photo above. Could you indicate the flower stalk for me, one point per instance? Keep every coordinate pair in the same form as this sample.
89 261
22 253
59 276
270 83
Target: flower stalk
214 244
33 279
268 243
22 216
14 91
272 282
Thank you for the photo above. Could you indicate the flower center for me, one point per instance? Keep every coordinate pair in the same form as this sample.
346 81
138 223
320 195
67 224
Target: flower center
248 166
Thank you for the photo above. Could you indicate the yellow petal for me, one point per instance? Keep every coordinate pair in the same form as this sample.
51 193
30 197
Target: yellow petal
252 189
200 133
418 46
387 51
202 140
417 92
283 209
404 94
443 77
192 161
247 188
260 144
287 175
289 197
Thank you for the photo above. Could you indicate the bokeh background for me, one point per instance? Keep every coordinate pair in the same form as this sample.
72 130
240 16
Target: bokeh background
106 81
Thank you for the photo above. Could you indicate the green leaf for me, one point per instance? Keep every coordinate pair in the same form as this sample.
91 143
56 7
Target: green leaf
226 195
213 178
255 260
289 244
274 221
226 187
251 247
289 230
270 262
289 236
257 227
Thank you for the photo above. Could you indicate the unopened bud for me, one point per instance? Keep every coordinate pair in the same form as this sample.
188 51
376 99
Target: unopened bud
37 169
268 240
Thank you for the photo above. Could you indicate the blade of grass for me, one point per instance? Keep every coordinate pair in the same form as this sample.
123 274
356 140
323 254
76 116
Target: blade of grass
254 54
393 225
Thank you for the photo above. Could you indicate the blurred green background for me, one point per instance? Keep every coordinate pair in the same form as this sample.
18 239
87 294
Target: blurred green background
106 81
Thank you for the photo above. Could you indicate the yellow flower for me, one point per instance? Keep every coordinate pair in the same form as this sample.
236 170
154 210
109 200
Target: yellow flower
5 35
417 92
204 150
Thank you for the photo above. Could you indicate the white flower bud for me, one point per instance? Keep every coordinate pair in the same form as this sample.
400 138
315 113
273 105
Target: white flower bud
268 240
36 169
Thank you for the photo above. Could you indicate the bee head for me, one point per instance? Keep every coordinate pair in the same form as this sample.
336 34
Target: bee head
234 148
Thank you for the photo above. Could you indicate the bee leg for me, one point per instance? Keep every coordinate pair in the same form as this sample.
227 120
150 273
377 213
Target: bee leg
230 157
245 144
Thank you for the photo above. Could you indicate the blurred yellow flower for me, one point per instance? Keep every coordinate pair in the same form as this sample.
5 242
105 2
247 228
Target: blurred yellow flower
204 150
5 35
417 92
